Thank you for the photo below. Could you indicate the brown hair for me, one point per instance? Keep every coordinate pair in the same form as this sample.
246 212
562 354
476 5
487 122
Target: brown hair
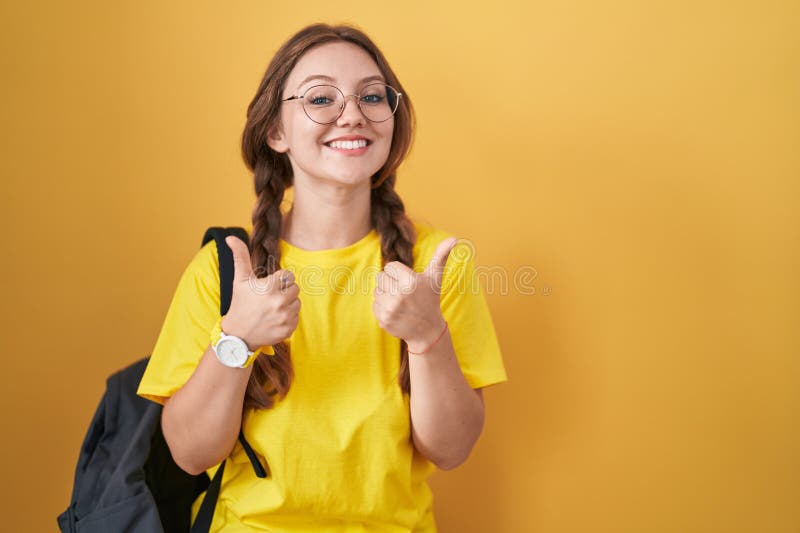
272 173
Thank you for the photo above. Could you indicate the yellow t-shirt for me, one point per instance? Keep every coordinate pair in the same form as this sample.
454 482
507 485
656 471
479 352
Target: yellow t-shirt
338 446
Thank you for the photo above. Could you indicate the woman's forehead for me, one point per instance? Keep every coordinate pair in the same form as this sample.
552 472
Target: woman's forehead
342 63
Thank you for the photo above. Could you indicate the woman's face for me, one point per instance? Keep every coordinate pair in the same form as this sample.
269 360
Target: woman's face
348 67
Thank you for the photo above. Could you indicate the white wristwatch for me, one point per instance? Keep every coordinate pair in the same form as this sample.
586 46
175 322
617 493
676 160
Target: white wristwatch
233 351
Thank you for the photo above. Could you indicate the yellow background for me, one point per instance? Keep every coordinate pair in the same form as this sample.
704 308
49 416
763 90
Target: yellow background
643 157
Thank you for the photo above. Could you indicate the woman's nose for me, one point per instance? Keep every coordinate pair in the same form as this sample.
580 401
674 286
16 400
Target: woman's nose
351 114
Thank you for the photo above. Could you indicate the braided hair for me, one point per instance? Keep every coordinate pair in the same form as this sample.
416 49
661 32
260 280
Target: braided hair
272 376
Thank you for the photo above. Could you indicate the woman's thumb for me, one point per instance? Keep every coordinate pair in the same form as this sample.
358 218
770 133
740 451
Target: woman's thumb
242 267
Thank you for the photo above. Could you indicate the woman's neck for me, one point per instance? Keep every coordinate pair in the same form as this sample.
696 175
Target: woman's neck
324 225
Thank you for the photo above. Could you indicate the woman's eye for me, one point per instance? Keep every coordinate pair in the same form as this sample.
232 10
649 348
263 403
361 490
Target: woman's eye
373 99
321 100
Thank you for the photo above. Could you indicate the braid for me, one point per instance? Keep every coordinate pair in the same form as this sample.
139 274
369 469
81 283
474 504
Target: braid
273 173
275 371
397 244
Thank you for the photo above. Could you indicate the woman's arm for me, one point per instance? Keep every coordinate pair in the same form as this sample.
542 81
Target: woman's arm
201 421
447 415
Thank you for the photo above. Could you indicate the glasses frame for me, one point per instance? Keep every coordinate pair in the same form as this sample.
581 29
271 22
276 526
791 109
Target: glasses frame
344 101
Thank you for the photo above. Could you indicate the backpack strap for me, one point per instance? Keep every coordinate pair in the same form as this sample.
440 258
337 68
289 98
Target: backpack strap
226 270
225 255
260 470
202 523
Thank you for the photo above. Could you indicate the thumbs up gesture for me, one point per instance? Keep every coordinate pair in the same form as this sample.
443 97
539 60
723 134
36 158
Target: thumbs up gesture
407 302
263 311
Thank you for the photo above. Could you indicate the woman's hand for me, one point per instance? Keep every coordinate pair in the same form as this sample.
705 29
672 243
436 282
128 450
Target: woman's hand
407 303
263 311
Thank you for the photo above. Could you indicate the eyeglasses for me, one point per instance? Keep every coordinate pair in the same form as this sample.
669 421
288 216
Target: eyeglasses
324 104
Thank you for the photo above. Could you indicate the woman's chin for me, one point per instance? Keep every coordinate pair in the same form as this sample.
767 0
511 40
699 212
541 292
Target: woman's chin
356 179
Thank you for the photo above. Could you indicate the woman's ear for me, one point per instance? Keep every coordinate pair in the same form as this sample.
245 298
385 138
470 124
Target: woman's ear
277 140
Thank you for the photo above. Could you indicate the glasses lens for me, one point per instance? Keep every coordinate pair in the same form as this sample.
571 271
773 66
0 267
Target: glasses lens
323 103
378 102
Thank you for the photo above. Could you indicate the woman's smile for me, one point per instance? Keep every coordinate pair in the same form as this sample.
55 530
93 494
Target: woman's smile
357 145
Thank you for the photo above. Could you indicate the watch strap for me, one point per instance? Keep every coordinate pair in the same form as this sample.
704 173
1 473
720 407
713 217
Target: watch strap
216 334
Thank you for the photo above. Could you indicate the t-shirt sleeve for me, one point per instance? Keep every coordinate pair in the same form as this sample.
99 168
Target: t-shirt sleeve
464 307
186 331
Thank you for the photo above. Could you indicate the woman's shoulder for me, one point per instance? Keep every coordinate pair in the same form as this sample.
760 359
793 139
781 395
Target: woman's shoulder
428 238
426 230
205 262
203 267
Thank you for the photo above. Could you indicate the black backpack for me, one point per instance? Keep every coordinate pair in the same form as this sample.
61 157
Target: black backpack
126 479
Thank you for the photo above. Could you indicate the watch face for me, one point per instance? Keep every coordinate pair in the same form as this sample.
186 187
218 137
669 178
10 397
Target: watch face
232 352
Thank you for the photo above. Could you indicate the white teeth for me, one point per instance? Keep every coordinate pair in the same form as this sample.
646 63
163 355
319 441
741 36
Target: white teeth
348 145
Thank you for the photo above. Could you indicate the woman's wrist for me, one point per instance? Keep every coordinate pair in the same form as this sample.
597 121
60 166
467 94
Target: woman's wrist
419 347
230 327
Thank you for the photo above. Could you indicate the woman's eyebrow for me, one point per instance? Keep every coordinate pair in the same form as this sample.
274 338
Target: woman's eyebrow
328 78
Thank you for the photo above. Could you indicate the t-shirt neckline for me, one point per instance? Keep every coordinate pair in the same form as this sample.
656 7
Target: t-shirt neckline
328 255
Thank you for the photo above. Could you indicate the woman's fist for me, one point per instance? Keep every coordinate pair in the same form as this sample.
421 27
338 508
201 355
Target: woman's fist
263 311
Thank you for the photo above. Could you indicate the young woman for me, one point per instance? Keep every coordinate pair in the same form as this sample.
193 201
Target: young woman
354 400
